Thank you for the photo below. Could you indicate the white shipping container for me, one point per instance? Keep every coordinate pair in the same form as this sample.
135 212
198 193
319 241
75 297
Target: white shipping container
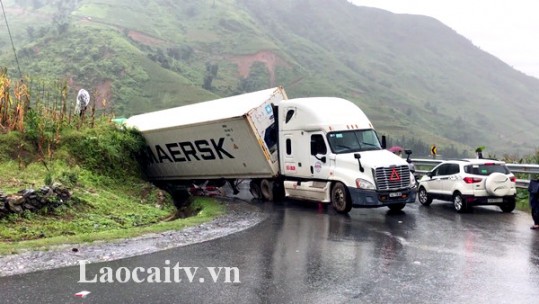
233 137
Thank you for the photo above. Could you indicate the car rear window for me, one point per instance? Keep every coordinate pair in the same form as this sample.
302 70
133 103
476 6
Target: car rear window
486 169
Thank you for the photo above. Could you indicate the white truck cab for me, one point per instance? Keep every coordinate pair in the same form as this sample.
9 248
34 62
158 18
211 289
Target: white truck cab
330 152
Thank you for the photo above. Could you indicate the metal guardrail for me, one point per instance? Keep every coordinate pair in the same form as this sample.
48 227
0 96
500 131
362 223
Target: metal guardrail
529 169
422 163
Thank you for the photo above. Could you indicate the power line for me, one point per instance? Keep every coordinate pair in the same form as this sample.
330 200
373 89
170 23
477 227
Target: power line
11 38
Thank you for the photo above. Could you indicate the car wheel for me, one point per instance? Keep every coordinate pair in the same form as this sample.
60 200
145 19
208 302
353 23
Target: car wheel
397 207
424 198
497 184
459 204
340 200
508 207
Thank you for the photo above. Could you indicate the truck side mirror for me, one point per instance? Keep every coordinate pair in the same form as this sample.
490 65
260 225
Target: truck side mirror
384 144
358 157
408 153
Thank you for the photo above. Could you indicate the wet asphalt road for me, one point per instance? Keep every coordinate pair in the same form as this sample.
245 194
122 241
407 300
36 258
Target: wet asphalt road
305 253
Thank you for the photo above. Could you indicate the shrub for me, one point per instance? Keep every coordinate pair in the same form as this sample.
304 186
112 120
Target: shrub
105 148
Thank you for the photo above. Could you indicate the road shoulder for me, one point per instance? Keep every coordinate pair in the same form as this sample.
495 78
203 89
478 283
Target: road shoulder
240 215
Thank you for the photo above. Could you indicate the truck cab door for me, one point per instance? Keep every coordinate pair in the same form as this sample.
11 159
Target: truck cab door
320 166
314 170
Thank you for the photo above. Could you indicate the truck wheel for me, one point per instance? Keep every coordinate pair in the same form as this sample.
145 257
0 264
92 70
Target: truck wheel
254 188
266 187
340 199
396 207
278 191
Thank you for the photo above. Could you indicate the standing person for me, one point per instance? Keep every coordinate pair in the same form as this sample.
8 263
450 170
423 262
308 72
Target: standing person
83 99
479 152
533 190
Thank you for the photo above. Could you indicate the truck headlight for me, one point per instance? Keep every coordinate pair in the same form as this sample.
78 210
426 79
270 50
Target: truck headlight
364 184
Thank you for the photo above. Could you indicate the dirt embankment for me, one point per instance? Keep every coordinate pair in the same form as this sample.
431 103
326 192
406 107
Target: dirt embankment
268 58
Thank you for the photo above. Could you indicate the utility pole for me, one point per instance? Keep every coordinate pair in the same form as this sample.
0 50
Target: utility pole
11 38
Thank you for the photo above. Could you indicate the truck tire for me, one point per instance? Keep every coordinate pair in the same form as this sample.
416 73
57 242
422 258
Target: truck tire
340 199
278 191
266 187
254 188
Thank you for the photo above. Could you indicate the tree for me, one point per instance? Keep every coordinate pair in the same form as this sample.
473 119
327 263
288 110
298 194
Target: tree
211 73
30 30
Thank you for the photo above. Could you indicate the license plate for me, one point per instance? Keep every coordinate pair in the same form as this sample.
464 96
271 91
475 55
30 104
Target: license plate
395 194
495 200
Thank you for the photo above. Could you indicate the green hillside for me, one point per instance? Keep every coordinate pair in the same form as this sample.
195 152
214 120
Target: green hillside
412 75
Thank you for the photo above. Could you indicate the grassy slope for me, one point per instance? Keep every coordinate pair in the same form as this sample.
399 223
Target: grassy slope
411 74
109 198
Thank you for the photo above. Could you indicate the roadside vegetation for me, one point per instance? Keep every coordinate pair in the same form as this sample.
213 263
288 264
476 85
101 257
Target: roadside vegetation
42 142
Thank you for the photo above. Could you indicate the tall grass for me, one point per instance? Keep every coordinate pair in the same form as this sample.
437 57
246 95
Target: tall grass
42 114
12 108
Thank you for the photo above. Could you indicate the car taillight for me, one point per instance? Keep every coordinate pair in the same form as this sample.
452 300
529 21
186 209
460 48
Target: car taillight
513 179
472 180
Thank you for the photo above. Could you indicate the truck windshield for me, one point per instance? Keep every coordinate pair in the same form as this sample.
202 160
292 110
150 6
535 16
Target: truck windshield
353 141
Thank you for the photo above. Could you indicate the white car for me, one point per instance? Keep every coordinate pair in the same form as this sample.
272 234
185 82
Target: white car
469 182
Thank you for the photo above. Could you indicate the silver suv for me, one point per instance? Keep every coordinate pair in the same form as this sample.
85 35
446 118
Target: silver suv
469 182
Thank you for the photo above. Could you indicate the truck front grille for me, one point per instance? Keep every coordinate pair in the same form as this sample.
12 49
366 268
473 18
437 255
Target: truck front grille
392 178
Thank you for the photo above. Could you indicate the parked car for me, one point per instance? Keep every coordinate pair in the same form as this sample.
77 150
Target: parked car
469 182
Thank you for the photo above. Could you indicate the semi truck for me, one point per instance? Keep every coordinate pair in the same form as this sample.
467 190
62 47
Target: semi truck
322 149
